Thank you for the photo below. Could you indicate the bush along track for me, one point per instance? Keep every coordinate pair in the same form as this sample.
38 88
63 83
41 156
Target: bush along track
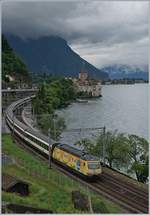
121 151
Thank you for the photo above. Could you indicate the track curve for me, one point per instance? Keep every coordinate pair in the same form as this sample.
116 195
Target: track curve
129 196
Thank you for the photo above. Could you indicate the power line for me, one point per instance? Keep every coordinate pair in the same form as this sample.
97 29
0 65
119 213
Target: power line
83 129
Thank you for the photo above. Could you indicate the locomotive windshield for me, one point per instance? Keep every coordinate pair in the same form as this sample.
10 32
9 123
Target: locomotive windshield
94 165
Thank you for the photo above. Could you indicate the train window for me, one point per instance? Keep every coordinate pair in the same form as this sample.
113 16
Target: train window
27 135
45 146
32 138
93 165
84 164
38 142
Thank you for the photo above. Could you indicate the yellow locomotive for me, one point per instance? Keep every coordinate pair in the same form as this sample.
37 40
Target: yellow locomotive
76 160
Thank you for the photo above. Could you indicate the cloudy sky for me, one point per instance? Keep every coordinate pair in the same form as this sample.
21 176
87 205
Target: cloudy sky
102 32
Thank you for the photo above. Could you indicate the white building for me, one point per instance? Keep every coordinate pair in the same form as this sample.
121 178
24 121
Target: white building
86 85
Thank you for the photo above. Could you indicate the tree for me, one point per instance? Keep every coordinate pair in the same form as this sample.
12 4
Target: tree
121 151
111 145
12 65
43 122
57 126
87 145
108 146
50 97
54 125
139 157
42 91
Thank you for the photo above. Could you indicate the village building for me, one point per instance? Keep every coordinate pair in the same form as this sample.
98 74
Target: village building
86 86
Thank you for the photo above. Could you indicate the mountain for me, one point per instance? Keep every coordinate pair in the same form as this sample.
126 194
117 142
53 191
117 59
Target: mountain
118 71
52 55
12 65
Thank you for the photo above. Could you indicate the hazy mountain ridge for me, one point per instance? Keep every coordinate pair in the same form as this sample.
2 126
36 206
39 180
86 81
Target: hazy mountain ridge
52 55
120 71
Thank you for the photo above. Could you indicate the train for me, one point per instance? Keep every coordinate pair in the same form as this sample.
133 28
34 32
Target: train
74 160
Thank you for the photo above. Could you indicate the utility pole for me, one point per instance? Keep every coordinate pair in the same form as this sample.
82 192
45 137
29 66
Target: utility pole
33 112
54 126
49 148
104 142
50 143
13 125
54 129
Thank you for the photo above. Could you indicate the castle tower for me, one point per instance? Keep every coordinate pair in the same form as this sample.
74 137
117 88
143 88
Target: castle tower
83 75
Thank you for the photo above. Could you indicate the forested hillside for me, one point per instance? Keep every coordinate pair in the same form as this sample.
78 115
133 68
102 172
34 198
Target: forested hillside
13 69
50 97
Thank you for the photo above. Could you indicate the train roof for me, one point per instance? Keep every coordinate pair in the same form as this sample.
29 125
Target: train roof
79 153
30 130
38 134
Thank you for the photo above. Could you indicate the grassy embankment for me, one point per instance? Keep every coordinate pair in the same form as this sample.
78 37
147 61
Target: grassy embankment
49 189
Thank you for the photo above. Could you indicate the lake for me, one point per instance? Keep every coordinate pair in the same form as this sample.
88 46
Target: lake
121 107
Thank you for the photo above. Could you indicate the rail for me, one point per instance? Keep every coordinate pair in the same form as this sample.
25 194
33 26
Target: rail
132 198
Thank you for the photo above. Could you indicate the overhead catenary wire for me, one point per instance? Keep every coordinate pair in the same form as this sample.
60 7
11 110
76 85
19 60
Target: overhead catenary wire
76 130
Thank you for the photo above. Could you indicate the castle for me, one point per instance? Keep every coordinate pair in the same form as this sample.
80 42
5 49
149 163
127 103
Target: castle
86 86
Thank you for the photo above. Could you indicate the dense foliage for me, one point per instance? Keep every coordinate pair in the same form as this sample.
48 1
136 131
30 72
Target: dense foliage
51 96
138 153
118 150
12 65
43 77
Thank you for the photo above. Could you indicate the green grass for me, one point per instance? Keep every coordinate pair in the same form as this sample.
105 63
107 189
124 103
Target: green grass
48 188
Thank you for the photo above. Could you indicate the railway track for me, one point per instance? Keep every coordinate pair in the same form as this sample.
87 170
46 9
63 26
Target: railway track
127 186
127 197
130 197
128 200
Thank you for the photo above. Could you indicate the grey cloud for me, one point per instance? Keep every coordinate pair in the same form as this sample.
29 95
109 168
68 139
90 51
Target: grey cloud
93 24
